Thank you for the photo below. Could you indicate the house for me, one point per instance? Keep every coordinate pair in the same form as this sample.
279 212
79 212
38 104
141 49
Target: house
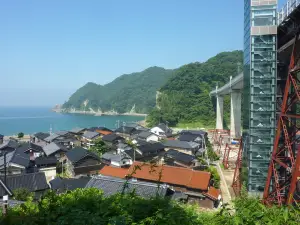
162 130
77 131
114 171
195 132
190 137
17 162
60 185
101 130
47 165
88 137
8 146
182 146
33 182
120 159
39 138
1 139
112 139
148 136
125 131
176 158
55 149
113 185
139 142
81 161
194 184
147 152
33 150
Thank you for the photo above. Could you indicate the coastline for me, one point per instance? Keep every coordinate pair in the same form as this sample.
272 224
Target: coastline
97 113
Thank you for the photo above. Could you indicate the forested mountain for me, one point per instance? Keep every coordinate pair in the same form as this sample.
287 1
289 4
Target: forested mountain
185 97
123 93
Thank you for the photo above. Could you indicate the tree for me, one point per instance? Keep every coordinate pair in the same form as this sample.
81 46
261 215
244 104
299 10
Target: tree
90 206
215 176
185 96
99 147
22 194
20 135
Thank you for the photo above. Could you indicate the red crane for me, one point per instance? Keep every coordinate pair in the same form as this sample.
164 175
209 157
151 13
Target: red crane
284 169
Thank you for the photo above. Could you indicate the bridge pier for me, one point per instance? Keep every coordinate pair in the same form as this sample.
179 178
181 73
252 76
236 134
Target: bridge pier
220 100
235 114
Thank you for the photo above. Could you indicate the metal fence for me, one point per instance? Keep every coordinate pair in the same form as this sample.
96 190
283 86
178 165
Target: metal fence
287 9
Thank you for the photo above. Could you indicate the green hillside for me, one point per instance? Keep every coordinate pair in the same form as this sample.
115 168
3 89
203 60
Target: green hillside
123 93
185 97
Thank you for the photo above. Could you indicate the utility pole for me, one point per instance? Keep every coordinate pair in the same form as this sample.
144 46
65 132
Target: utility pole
4 154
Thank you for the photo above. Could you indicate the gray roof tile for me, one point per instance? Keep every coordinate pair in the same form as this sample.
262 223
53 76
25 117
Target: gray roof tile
90 134
111 185
52 148
31 181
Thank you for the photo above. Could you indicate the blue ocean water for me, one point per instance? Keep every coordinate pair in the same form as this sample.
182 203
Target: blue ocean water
34 119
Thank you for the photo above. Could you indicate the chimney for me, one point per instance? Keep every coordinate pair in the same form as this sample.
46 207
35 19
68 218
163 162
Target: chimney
1 139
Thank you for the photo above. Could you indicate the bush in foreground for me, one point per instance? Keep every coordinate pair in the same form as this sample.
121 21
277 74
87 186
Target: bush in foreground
89 206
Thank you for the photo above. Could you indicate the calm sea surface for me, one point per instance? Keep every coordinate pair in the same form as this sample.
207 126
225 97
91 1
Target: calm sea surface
33 119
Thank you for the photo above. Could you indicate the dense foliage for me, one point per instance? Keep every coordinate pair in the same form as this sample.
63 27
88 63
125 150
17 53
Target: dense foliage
22 194
89 206
123 93
20 135
99 147
185 97
215 176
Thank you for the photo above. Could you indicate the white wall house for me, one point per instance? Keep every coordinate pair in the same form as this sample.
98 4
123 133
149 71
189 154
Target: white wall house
158 131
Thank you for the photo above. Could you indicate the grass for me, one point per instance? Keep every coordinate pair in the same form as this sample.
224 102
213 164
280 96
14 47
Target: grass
194 125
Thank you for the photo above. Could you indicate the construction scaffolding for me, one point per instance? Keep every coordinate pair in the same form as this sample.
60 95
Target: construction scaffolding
237 181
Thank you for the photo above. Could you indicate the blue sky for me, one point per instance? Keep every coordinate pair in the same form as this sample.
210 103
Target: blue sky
48 49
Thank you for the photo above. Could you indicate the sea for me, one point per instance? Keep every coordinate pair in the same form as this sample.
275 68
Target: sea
30 120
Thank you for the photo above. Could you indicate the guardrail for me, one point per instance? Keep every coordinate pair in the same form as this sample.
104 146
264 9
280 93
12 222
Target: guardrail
286 10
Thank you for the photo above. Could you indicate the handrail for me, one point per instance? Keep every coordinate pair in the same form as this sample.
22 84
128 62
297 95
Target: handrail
286 10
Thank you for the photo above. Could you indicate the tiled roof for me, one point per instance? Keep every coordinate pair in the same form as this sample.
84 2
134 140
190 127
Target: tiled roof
115 157
170 175
65 184
9 144
52 137
151 147
103 132
111 137
17 157
188 137
90 134
125 130
41 135
173 175
78 153
62 132
179 144
213 193
77 130
179 156
145 134
112 185
51 160
195 132
53 147
114 171
31 181
164 127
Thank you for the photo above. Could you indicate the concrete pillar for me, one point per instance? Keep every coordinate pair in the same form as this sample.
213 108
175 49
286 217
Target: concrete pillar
235 114
220 101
